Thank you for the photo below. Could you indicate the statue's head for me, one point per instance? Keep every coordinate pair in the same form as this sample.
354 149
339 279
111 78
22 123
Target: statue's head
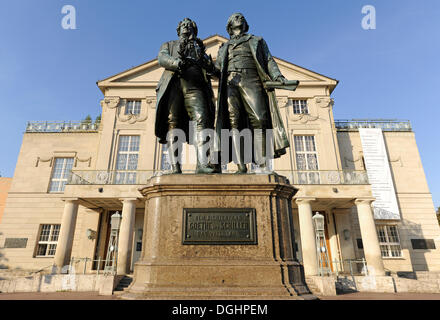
187 27
236 20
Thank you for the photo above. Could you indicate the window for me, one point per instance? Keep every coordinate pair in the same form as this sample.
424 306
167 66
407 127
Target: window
300 107
47 242
389 241
60 173
306 159
127 160
133 107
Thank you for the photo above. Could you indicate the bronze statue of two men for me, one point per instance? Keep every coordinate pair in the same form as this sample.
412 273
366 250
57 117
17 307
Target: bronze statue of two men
185 98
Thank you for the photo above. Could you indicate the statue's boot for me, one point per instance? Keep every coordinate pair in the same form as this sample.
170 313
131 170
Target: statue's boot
174 160
260 151
217 168
203 165
238 152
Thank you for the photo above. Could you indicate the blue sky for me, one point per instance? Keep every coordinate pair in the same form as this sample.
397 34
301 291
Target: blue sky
48 73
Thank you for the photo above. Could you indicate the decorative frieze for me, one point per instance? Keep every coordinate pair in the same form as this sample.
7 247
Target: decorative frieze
324 102
110 102
131 118
67 154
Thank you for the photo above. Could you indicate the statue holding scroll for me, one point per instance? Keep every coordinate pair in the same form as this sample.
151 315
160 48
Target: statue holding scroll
248 75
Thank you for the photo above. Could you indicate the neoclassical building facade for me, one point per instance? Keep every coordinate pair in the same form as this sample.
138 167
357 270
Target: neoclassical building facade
71 177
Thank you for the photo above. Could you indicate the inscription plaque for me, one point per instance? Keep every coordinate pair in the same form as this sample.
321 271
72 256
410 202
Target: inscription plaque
16 242
219 226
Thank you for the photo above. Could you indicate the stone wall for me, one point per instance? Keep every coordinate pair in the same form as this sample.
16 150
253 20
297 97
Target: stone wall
104 284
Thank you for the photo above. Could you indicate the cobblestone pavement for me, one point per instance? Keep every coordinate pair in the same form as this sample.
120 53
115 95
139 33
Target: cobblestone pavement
383 296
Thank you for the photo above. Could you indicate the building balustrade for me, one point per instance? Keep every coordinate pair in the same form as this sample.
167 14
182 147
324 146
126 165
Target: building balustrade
62 126
326 177
385 125
90 126
140 177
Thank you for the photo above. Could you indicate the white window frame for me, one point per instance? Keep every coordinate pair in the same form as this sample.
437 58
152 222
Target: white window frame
300 106
126 176
385 242
133 107
63 177
307 175
51 242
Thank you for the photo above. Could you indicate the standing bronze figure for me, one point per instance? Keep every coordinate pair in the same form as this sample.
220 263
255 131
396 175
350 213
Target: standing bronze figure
246 65
184 93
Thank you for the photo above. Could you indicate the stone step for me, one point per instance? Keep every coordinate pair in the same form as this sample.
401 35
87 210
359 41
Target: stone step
124 283
138 296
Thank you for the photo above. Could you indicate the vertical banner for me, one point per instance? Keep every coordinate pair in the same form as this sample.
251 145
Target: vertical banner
379 174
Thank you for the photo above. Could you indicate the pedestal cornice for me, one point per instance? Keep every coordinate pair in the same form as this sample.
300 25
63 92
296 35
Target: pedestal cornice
228 185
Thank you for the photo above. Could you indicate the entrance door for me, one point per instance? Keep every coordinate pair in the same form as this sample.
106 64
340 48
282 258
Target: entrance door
103 240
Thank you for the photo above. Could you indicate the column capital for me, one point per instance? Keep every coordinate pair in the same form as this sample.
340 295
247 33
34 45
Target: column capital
364 200
302 200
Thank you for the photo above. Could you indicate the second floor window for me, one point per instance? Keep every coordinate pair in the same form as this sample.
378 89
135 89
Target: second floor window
306 159
60 174
305 152
133 107
127 159
300 107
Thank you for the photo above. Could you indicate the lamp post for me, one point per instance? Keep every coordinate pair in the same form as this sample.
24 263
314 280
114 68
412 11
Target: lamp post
112 252
318 221
115 221
321 246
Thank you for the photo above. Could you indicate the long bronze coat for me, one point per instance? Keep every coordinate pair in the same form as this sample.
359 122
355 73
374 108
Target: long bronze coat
268 71
168 84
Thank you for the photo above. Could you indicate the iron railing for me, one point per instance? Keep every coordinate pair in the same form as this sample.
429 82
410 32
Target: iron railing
96 266
62 126
140 177
385 125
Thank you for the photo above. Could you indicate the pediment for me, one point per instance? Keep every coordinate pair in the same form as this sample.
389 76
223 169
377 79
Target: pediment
149 73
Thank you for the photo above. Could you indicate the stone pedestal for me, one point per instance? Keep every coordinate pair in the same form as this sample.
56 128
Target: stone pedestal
170 268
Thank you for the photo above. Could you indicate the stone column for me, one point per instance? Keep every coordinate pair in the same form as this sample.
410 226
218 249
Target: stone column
369 236
125 242
308 240
65 238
